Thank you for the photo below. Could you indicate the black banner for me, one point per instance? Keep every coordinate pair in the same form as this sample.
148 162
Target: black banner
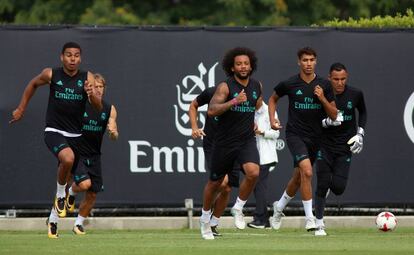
153 74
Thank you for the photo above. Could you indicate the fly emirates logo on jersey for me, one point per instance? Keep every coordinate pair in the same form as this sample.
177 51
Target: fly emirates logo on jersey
146 158
409 117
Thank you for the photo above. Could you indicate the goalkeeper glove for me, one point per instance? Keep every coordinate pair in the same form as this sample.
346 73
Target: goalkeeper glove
357 141
327 122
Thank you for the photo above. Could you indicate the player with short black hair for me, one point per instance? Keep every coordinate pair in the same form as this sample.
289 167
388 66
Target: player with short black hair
339 140
310 99
70 89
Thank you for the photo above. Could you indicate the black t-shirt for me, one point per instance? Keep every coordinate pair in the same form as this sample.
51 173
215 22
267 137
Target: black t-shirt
93 129
67 99
210 125
335 138
305 110
236 125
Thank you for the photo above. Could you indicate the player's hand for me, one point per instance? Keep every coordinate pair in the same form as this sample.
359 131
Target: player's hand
241 97
328 122
356 143
318 91
276 125
16 115
197 133
88 88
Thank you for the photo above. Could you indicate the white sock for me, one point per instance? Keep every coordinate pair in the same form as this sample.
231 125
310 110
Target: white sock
53 217
60 191
239 204
307 206
283 201
71 192
205 216
214 221
319 222
79 220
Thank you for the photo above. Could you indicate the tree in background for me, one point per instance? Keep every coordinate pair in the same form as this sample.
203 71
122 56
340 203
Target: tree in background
195 12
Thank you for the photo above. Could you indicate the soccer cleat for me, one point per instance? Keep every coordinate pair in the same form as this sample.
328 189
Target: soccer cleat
215 231
206 232
52 231
238 217
276 219
60 206
310 224
320 231
70 203
78 230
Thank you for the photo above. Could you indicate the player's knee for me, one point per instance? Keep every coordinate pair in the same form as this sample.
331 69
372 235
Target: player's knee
226 189
66 158
338 186
85 185
338 189
91 196
306 173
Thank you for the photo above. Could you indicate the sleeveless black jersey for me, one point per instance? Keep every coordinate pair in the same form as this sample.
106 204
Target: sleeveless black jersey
93 129
67 99
236 125
335 138
305 110
210 125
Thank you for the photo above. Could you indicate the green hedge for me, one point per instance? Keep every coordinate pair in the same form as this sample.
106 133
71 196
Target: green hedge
399 21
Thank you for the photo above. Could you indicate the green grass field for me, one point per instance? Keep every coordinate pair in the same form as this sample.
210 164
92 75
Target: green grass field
234 242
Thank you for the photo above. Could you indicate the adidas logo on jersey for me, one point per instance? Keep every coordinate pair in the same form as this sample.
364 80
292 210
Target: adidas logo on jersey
60 83
299 92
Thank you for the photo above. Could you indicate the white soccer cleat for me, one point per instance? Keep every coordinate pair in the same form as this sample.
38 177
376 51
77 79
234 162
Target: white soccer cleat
238 217
320 230
276 220
310 224
206 232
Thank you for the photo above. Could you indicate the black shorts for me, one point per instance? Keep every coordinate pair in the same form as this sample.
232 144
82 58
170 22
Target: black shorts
337 164
57 142
88 168
224 159
302 148
233 175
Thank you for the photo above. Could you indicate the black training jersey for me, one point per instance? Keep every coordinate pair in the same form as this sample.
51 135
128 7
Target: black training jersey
305 110
210 125
67 99
336 138
93 129
236 125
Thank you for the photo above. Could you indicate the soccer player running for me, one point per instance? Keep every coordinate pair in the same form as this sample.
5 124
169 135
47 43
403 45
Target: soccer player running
339 141
87 170
210 126
310 99
235 102
70 89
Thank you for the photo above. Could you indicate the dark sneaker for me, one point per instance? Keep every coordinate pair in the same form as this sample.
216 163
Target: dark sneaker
215 231
60 206
78 230
256 224
52 231
70 203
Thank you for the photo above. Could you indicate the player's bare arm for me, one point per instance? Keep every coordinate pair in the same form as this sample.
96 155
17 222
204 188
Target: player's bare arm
41 79
89 87
218 105
192 112
112 126
274 122
329 107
